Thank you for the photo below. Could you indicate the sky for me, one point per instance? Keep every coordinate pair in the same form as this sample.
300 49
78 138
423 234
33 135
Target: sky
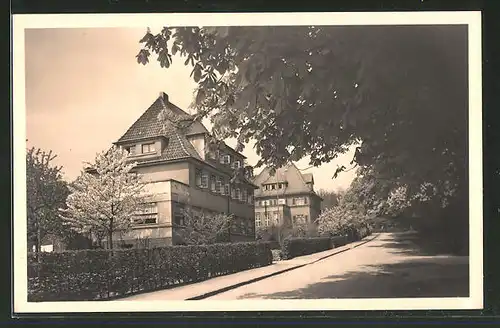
84 89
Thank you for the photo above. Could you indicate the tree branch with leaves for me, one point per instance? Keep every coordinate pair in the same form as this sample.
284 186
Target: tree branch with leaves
397 93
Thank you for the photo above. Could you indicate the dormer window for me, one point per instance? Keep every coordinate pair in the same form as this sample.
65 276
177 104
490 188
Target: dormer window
148 148
130 150
225 159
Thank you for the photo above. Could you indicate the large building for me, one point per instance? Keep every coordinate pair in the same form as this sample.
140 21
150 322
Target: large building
184 168
285 197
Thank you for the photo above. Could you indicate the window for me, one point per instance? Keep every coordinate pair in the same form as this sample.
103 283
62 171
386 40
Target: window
267 220
299 201
244 195
298 219
273 186
274 201
130 150
237 194
225 159
148 148
250 197
218 185
257 220
198 177
147 215
280 186
178 214
226 189
204 179
234 225
212 154
233 193
213 185
281 201
276 217
237 164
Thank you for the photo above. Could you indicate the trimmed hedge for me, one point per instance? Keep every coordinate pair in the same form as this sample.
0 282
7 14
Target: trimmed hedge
102 274
293 247
338 241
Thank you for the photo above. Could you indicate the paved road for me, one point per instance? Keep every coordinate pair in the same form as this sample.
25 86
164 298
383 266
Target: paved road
389 266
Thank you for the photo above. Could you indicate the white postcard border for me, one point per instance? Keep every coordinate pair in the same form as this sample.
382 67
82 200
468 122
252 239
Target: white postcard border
471 18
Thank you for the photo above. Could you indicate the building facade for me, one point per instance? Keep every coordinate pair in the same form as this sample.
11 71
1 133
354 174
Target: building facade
286 197
185 169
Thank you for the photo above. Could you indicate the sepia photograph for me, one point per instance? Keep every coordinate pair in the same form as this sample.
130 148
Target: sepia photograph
229 162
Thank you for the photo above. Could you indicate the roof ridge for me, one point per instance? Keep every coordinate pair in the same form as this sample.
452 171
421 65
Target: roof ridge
300 173
137 120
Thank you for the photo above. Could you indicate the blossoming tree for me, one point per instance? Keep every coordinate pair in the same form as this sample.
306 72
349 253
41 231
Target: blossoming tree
105 198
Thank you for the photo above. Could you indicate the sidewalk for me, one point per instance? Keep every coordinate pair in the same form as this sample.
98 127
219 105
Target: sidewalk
221 284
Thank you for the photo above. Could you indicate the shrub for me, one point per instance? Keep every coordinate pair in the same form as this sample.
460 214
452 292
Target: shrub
338 241
276 254
101 274
293 247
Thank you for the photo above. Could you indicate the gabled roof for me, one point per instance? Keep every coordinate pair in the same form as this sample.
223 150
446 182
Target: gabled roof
308 177
174 128
296 181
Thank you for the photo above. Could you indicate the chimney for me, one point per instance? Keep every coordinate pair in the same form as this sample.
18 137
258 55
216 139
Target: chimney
164 97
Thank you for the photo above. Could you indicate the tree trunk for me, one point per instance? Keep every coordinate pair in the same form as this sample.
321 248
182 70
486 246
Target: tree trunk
110 239
38 237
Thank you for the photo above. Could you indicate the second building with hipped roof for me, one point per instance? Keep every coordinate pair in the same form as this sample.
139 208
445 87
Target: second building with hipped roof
285 197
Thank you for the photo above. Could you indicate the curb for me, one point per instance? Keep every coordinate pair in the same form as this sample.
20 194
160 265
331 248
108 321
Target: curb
227 288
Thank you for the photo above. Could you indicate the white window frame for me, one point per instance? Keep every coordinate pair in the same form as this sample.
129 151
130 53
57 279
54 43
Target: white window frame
205 180
225 159
198 174
300 201
131 150
149 212
150 146
257 220
219 185
213 183
276 217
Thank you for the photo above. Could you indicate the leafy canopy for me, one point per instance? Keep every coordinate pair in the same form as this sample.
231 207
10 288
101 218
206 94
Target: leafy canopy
46 194
399 93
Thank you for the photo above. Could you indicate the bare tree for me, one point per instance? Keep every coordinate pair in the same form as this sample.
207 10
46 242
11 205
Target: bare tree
201 228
